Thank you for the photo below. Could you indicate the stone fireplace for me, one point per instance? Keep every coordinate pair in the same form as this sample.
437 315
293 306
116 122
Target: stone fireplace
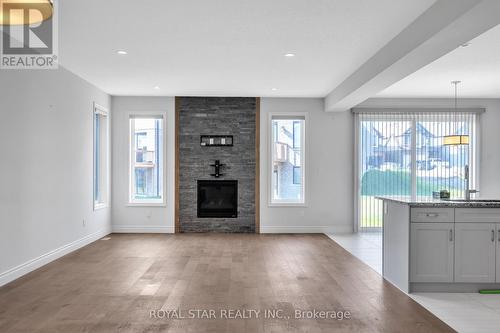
209 201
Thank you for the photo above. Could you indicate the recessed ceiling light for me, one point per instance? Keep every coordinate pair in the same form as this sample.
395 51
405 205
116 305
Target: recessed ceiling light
289 55
157 87
274 89
465 44
121 52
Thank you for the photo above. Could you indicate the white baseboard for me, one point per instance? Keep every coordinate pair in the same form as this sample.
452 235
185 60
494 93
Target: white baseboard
305 229
142 229
44 259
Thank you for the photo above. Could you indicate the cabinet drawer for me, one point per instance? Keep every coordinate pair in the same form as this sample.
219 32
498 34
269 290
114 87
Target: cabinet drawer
432 215
485 215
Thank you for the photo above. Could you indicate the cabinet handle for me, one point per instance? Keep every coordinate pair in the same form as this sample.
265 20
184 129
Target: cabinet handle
499 235
451 235
432 215
492 235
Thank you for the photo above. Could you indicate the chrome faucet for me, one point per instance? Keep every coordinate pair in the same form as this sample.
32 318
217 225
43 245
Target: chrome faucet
468 191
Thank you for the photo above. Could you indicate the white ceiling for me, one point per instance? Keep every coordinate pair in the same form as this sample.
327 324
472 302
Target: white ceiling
226 47
477 66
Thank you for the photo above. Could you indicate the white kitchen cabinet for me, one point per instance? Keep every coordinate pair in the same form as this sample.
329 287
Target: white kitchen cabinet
441 246
432 214
475 248
498 254
431 252
484 215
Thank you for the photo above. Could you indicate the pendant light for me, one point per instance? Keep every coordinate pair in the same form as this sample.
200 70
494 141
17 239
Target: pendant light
455 139
42 10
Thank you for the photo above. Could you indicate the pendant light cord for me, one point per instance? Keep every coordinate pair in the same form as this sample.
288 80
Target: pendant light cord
456 84
456 106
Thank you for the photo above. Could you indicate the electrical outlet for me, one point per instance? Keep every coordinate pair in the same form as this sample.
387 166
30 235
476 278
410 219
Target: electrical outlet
84 223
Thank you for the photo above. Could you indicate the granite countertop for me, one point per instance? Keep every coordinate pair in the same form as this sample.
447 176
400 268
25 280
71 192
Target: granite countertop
431 202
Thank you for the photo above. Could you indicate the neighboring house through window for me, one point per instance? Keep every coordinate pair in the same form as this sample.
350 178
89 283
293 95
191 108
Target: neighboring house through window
147 159
297 129
287 161
297 177
411 160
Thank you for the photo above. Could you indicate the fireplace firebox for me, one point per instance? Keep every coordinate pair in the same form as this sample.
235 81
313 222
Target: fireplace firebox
218 198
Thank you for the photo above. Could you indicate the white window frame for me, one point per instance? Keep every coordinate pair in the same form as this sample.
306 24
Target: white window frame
303 162
102 111
131 150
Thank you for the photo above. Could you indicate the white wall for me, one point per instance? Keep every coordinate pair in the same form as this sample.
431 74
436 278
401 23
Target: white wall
127 218
46 169
489 164
329 170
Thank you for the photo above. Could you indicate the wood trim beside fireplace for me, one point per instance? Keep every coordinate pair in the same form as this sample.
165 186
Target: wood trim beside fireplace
177 183
257 165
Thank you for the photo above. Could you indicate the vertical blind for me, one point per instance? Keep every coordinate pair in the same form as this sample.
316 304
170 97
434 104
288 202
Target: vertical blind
401 154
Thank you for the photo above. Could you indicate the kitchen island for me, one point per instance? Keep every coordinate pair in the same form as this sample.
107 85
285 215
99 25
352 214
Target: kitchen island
441 245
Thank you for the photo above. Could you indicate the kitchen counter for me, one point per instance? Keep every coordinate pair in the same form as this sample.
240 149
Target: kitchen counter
433 245
431 202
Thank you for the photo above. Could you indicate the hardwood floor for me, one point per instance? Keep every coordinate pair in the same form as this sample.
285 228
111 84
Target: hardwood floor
113 285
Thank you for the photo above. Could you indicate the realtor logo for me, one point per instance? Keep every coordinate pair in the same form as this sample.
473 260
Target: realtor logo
29 34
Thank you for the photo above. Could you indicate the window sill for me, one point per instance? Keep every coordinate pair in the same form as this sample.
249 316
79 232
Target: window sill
287 204
146 204
100 206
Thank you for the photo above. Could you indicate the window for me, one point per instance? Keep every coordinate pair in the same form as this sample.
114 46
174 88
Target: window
410 160
147 160
287 162
101 153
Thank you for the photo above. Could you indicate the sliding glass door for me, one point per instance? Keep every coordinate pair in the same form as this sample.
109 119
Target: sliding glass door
403 155
385 164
